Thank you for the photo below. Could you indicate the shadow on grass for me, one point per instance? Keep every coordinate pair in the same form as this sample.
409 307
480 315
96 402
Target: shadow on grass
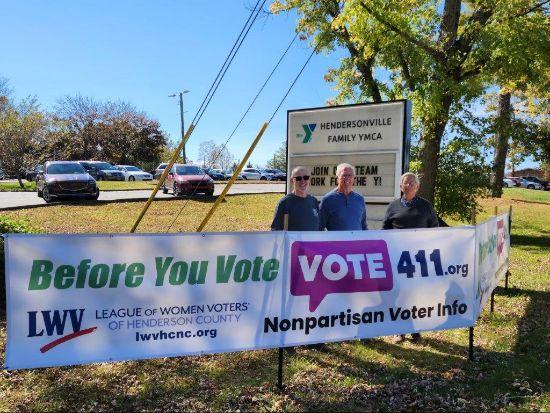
530 241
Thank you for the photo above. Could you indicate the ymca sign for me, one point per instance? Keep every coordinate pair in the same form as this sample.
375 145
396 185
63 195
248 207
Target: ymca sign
374 137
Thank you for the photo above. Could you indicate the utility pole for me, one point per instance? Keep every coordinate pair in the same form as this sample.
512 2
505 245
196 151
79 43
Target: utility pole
182 127
182 123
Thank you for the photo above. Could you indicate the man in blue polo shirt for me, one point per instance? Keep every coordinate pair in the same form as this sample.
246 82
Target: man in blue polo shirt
342 209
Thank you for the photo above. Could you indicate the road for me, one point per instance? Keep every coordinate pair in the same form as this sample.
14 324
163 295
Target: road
11 200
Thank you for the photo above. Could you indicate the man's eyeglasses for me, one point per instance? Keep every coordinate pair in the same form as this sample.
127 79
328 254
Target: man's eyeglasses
299 178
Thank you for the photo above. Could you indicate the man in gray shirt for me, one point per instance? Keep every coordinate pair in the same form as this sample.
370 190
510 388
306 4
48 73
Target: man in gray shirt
302 209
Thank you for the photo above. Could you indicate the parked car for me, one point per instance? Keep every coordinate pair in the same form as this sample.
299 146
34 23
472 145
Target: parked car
216 174
65 179
278 175
188 179
545 184
229 174
253 173
31 175
515 180
530 185
102 171
159 170
508 183
2 174
133 173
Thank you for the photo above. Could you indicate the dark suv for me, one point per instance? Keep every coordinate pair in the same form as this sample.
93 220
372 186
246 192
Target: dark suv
65 179
545 184
188 179
102 171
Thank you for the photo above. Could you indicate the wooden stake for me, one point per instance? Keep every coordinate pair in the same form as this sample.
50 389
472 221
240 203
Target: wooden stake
233 178
163 176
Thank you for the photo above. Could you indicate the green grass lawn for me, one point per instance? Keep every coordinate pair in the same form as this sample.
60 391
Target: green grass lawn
512 345
526 194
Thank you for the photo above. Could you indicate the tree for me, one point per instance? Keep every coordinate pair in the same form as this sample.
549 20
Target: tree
207 153
279 158
214 156
502 135
22 129
440 55
124 134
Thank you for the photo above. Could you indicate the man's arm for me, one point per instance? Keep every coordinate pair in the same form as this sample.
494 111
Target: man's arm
433 222
278 217
323 214
387 222
364 218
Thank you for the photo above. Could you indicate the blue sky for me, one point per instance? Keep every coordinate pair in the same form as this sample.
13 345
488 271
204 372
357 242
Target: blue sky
142 51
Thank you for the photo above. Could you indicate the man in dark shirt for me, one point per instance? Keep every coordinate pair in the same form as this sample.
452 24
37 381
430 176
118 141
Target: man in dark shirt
410 211
302 209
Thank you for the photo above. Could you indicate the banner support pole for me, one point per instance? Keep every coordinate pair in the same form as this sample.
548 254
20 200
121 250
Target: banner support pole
509 233
471 344
281 349
493 292
471 329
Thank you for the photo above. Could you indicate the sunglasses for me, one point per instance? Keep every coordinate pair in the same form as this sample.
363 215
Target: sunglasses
299 178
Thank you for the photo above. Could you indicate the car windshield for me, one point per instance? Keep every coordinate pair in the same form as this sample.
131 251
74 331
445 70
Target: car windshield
102 166
66 168
133 169
189 170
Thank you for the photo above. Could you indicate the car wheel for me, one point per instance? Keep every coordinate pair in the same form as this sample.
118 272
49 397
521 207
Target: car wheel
38 192
100 178
46 195
263 178
209 193
530 186
244 177
505 185
131 178
175 190
164 189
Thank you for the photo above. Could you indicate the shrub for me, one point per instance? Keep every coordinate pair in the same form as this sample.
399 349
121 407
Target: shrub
9 226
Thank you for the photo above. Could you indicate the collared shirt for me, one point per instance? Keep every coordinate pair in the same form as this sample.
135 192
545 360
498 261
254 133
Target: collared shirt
417 213
406 203
339 212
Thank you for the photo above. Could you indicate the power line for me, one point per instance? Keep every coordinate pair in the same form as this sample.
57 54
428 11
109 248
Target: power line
239 122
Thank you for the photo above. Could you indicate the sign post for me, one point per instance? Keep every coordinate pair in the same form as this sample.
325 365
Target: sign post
373 137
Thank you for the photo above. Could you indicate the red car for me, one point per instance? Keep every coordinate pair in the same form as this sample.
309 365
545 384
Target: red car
187 180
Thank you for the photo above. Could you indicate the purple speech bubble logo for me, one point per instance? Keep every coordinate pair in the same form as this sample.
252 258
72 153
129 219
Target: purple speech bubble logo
319 268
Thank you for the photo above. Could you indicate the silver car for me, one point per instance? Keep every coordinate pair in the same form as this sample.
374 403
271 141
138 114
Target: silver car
524 183
133 173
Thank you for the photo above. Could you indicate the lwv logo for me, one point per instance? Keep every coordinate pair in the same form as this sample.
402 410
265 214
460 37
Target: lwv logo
308 129
55 323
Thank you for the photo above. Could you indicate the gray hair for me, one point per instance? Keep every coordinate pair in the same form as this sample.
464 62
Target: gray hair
407 174
343 166
298 169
